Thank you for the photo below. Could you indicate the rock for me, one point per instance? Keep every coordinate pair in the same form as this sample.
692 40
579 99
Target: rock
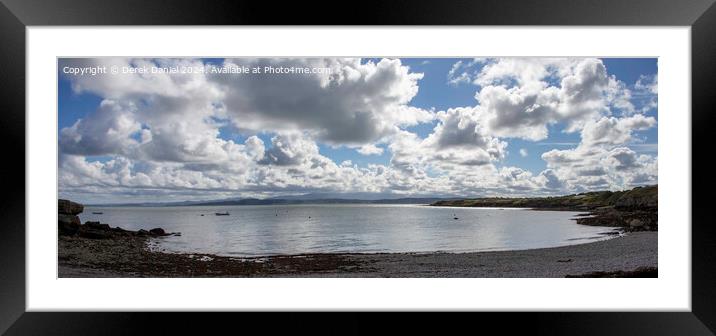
634 223
97 226
68 225
68 207
639 198
95 234
158 232
67 229
96 230
72 219
118 231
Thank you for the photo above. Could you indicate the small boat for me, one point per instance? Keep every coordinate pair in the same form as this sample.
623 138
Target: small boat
97 212
455 218
222 213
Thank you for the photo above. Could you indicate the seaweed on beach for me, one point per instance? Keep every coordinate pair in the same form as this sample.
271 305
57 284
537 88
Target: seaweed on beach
641 272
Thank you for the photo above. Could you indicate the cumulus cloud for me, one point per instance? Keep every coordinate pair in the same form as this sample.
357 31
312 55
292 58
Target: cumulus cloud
519 71
110 130
522 97
615 131
171 122
517 113
370 149
173 111
461 128
457 139
289 149
352 104
165 133
623 159
550 180
588 167
619 96
356 103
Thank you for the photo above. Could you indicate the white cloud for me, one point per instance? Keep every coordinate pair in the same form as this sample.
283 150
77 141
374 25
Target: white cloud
370 149
647 89
356 104
458 139
623 158
615 131
163 134
455 77
619 96
549 179
110 130
519 98
589 167
517 113
523 71
289 149
648 83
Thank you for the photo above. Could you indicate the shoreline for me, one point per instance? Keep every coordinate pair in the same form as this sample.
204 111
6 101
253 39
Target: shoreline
630 255
631 210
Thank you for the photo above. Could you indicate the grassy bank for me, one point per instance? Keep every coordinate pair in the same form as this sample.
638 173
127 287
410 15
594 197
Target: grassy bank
634 210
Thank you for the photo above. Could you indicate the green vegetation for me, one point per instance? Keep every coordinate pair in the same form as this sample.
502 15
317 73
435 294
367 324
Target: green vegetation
643 198
631 210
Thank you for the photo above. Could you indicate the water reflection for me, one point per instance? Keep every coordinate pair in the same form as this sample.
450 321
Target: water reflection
291 229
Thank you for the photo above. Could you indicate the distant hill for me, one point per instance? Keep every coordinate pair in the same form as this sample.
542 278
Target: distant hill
332 198
271 201
638 198
641 197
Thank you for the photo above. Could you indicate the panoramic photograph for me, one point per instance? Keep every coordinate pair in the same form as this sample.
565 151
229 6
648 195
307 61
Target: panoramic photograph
388 167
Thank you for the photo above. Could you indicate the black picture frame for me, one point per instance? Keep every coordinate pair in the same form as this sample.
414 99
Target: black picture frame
15 15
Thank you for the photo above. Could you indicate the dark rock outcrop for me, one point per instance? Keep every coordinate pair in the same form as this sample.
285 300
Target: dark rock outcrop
69 225
158 232
67 221
95 230
67 207
645 198
628 220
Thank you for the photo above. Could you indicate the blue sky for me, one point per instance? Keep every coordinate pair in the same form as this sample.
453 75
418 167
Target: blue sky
79 102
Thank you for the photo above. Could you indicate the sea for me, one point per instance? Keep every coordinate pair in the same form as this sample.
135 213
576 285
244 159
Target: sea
265 230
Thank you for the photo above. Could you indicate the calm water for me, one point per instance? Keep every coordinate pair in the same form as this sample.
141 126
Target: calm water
292 229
